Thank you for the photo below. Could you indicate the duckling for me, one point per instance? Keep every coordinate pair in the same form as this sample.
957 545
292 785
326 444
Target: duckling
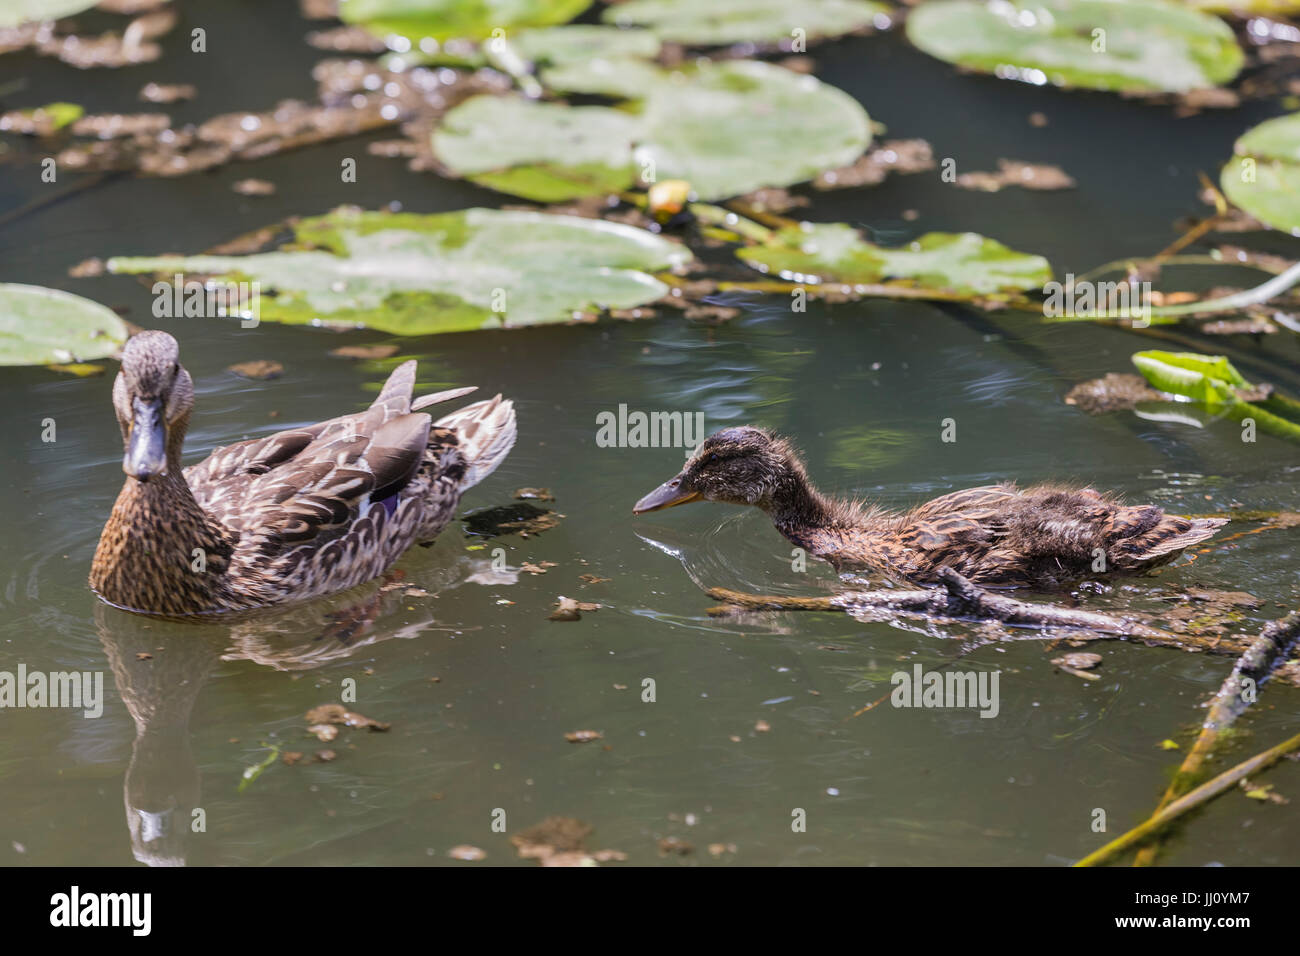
297 514
998 535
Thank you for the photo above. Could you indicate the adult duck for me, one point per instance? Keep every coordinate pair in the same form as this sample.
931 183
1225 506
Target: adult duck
297 514
1043 536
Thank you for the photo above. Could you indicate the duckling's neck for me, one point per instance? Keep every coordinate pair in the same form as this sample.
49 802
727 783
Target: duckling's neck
797 507
159 551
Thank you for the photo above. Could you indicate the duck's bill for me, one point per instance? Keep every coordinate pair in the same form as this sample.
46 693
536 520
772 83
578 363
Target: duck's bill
146 447
668 495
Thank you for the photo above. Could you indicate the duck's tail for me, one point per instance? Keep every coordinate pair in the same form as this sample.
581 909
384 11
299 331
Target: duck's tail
486 431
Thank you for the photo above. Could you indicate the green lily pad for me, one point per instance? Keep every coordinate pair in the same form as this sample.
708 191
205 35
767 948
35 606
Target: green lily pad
723 22
727 128
415 274
456 19
579 42
1264 177
1213 382
40 326
16 12
547 46
954 262
1263 8
554 152
1134 46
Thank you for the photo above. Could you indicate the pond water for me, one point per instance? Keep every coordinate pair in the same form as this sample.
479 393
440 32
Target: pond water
480 687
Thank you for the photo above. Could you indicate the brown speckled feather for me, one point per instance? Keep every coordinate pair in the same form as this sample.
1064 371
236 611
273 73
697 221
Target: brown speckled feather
300 513
996 535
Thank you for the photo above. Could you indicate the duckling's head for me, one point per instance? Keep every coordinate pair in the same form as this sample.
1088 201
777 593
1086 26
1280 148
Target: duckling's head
742 465
153 395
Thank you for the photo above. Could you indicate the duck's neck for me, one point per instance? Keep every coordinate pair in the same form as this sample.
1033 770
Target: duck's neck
796 507
159 551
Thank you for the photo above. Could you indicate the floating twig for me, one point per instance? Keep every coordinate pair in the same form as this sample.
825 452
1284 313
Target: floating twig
1202 794
1264 655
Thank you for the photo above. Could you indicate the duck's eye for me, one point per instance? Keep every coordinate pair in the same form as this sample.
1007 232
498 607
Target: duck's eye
713 457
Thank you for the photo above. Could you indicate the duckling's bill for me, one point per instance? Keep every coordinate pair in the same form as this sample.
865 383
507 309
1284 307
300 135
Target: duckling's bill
668 495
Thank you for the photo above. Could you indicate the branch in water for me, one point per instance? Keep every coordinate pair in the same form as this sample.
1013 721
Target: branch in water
1257 663
957 599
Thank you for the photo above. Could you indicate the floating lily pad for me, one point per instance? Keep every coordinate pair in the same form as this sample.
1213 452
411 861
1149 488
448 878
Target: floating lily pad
721 22
1213 382
1134 46
1264 177
575 43
15 12
456 19
727 128
1265 8
414 274
40 326
955 262
553 152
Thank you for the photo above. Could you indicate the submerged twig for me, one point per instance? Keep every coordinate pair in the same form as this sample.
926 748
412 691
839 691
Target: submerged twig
1202 794
956 599
960 600
1266 652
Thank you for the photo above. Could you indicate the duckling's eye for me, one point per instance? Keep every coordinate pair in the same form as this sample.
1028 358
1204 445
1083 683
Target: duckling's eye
713 457
176 369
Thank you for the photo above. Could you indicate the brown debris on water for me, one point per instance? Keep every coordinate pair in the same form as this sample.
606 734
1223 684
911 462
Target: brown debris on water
31 122
1251 326
360 352
521 519
319 9
799 64
466 852
258 369
892 156
338 714
540 494
87 268
324 732
675 846
773 200
1078 664
567 609
561 841
1112 392
552 835
346 39
253 187
583 736
540 567
167 92
111 49
355 97
1013 172
141 126
1250 257
1214 98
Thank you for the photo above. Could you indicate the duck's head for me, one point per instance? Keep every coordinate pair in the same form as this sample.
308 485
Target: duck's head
153 395
742 465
